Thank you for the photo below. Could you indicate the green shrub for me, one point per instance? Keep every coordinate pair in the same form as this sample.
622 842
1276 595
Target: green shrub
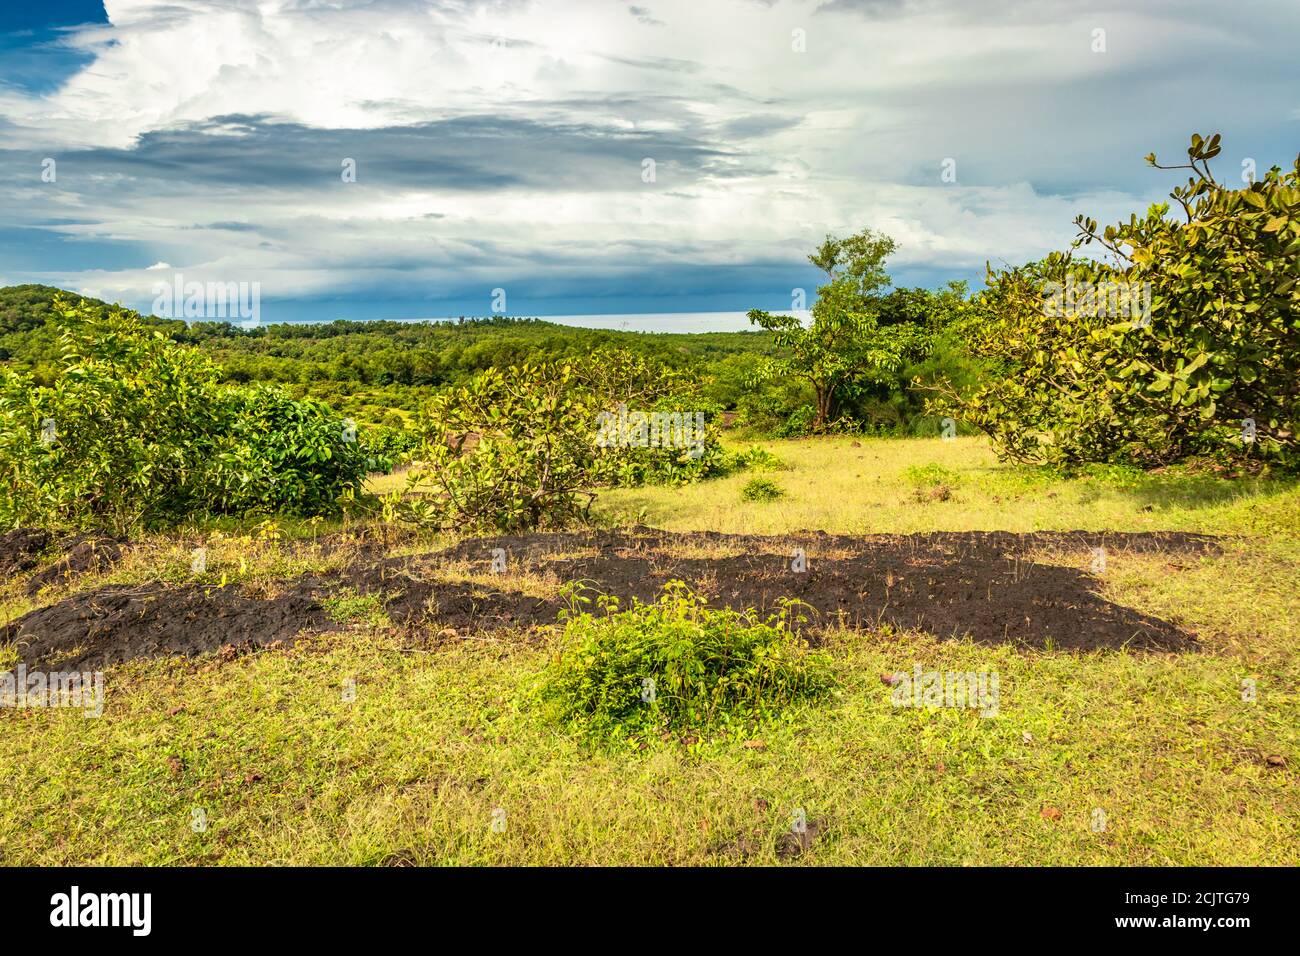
756 457
798 424
122 438
388 445
1185 342
761 489
525 447
675 665
278 454
512 450
135 432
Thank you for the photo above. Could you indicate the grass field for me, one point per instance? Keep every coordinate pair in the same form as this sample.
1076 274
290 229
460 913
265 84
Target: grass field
358 747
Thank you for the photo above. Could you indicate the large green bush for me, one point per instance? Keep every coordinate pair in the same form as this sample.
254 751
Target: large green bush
512 450
122 438
1201 357
522 447
135 432
278 454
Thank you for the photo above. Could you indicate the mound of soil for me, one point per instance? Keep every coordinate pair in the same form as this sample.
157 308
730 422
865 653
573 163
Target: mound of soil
950 584
21 549
92 630
979 584
83 555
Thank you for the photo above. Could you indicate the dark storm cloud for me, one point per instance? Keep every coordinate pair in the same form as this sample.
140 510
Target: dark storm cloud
464 154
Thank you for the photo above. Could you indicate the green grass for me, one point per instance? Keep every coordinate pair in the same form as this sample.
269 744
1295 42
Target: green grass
348 607
833 486
286 769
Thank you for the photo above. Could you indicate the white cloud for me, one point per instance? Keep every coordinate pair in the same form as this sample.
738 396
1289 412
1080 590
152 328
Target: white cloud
849 133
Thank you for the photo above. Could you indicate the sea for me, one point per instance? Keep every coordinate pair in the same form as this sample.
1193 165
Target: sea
643 321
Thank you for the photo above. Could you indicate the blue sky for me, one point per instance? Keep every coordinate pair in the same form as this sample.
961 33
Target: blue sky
32 57
504 143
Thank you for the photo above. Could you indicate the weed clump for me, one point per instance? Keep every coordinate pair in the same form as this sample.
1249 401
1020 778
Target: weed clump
931 476
758 458
677 664
931 482
761 489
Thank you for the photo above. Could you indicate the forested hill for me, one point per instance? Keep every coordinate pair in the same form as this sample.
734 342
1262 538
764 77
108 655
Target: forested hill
368 368
27 307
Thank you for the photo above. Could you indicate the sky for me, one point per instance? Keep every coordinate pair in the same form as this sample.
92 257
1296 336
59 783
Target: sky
599 157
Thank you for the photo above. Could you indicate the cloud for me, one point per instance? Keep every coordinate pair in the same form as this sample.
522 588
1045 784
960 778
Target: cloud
645 16
505 142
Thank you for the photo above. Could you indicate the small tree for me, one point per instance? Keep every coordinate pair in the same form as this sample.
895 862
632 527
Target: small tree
845 341
511 450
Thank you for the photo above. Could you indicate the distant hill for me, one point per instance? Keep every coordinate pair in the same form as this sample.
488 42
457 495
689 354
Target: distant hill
27 307
368 369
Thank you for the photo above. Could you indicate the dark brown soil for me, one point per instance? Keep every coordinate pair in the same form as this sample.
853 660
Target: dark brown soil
118 623
950 584
794 844
979 584
83 555
21 549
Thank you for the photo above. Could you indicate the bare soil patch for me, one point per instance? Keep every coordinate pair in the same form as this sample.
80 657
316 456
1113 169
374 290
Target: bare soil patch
83 554
22 548
94 629
980 584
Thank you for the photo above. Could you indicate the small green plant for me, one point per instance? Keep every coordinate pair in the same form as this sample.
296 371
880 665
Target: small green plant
758 458
931 476
931 482
761 489
349 607
676 664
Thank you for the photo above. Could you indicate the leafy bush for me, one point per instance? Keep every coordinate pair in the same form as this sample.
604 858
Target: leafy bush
123 437
135 431
756 457
524 447
761 489
387 446
512 450
278 454
1208 365
676 664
